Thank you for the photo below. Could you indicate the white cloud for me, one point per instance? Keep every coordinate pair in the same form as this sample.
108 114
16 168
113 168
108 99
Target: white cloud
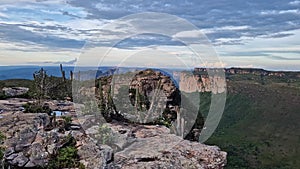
218 41
31 1
188 34
85 24
3 15
219 64
104 7
8 57
279 12
294 3
55 23
273 46
232 41
226 28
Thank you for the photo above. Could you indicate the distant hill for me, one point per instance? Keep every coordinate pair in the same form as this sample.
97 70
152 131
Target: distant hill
26 72
260 126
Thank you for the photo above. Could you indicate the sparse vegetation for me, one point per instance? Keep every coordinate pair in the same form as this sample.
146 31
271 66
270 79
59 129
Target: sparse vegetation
259 128
106 134
68 120
51 87
66 157
36 108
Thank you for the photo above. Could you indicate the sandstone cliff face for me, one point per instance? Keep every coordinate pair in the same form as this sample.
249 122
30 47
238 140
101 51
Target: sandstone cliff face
202 83
155 90
141 98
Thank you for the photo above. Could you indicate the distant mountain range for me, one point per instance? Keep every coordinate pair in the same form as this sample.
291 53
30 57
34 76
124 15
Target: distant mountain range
26 72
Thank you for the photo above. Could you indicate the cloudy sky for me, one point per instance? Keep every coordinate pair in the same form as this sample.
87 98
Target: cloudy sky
244 33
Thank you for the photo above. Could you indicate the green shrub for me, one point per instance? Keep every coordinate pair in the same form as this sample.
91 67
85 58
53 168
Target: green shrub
2 96
36 108
106 134
66 157
68 120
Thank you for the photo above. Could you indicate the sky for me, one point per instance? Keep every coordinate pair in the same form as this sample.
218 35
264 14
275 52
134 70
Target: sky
242 33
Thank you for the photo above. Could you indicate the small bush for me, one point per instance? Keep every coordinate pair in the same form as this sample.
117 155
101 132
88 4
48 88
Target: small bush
66 157
68 120
36 108
106 134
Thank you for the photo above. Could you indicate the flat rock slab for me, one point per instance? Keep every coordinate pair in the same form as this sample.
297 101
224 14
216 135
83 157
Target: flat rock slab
151 146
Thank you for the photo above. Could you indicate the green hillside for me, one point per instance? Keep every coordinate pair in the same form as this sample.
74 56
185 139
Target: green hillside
260 126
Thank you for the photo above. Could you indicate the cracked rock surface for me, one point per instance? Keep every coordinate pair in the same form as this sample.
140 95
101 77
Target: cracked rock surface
29 145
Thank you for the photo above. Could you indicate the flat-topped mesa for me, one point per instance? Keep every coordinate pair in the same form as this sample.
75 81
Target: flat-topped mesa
261 72
214 80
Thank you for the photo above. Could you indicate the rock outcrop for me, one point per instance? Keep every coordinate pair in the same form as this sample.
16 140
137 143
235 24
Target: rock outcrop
201 82
28 143
149 93
155 92
120 145
147 146
15 91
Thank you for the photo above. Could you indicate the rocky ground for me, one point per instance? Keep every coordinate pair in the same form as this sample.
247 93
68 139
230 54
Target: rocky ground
29 143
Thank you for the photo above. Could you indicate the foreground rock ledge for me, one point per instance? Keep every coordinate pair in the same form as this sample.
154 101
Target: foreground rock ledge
131 147
154 147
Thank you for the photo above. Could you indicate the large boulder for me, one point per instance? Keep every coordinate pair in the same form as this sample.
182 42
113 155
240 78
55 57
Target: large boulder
15 91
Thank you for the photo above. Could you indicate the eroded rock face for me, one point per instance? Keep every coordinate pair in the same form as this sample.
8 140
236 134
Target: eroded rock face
148 80
146 93
150 89
201 83
150 97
